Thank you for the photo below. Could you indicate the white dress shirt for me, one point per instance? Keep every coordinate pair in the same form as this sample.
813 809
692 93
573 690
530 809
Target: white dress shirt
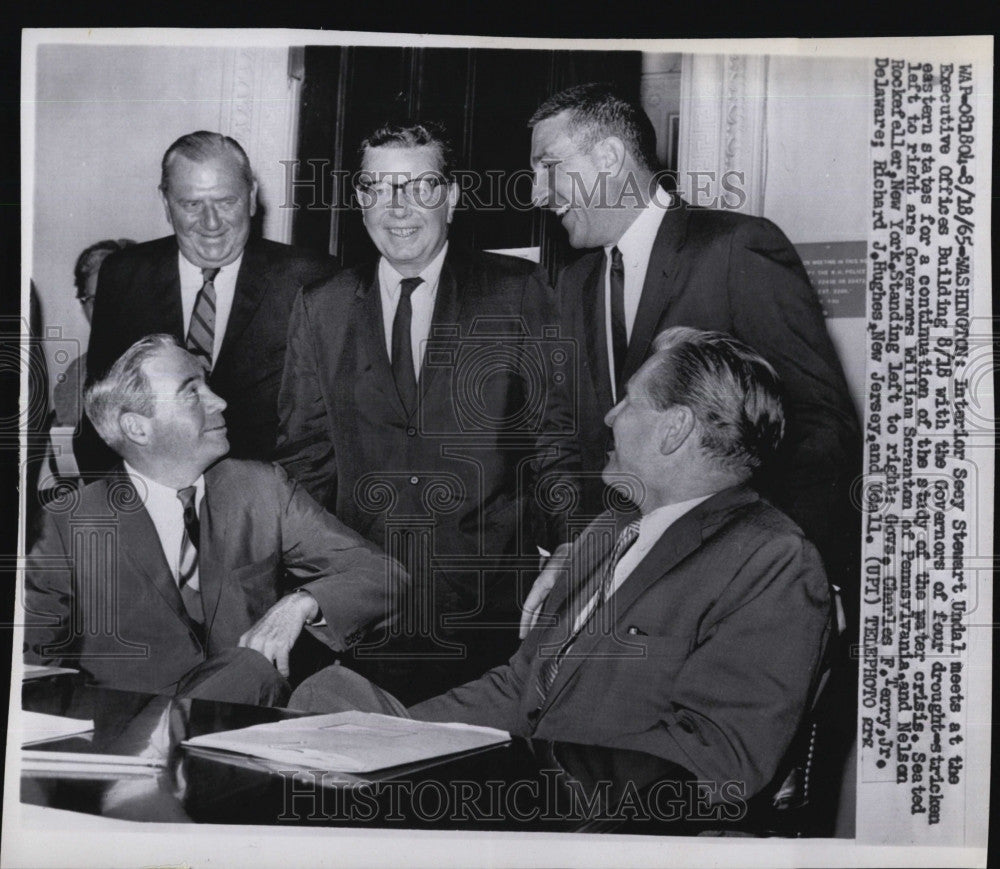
167 512
635 245
192 281
651 528
422 302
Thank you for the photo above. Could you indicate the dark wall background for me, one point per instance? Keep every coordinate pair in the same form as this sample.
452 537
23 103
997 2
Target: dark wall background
483 96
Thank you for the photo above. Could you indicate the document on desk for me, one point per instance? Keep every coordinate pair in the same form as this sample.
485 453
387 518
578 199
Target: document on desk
351 741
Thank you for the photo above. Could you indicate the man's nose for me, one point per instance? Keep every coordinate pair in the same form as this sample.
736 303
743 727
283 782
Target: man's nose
398 201
216 402
540 187
609 417
210 217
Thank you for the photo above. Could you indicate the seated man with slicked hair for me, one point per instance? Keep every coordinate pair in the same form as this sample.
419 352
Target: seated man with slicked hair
691 629
167 576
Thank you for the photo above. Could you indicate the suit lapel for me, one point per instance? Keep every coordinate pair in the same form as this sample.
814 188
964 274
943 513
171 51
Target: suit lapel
372 333
140 546
165 287
659 287
447 307
592 306
677 542
211 558
251 284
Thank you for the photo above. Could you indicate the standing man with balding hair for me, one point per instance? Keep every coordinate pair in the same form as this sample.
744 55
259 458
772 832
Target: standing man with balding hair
224 295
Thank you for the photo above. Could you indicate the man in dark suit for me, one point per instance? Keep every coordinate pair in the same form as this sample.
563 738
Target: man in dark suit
421 403
224 295
168 576
660 262
691 629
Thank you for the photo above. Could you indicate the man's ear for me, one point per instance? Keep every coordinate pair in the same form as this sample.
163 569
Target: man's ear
677 425
135 427
166 205
611 154
452 200
253 198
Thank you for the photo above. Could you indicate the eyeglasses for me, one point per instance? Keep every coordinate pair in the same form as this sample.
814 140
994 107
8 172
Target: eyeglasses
427 191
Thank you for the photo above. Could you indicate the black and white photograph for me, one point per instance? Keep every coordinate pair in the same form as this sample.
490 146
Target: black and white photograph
486 451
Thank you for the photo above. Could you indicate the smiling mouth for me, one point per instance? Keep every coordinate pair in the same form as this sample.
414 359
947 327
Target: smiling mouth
403 231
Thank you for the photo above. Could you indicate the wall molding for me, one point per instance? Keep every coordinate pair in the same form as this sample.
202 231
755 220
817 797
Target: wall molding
723 130
260 109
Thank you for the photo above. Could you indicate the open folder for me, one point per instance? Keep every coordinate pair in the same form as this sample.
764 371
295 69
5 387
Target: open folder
351 741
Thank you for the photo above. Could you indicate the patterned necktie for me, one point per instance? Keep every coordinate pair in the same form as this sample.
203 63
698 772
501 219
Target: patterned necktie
402 345
550 666
187 572
201 330
619 334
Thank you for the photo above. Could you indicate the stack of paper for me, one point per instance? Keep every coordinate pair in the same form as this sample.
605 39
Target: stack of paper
351 741
42 671
38 727
71 764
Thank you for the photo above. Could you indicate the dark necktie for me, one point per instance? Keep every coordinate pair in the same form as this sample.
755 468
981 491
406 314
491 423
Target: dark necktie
201 330
187 572
402 345
619 333
550 667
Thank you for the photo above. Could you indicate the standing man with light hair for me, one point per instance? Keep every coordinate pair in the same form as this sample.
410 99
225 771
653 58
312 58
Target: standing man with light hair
222 293
657 261
169 574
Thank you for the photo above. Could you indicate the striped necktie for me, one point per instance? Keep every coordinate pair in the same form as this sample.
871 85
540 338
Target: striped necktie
187 571
550 666
201 330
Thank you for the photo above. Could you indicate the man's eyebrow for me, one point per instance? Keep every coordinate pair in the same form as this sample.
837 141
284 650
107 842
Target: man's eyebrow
187 381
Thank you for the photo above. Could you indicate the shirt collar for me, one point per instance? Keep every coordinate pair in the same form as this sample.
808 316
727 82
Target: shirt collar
157 493
192 274
637 241
654 524
389 278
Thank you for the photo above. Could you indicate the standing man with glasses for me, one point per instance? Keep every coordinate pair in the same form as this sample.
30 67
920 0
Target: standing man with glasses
420 404
222 293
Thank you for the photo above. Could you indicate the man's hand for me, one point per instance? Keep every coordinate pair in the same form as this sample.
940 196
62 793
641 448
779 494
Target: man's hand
275 634
556 563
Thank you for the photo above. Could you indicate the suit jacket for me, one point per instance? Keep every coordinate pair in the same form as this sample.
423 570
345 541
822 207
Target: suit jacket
461 472
687 666
138 293
722 271
100 596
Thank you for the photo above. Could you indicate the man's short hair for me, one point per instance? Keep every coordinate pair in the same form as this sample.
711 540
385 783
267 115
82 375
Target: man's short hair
200 146
415 134
733 392
598 110
89 261
124 389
